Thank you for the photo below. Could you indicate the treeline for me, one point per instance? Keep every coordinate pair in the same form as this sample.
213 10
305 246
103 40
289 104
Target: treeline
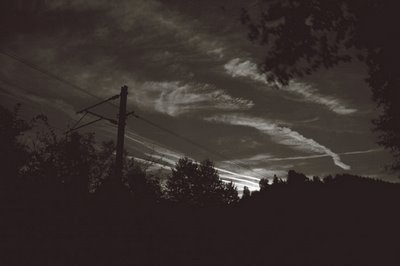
60 206
39 162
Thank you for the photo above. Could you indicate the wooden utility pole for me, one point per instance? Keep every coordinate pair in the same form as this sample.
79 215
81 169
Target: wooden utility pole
121 133
122 116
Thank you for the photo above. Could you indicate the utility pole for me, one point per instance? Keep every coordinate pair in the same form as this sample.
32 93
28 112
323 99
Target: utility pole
122 116
121 133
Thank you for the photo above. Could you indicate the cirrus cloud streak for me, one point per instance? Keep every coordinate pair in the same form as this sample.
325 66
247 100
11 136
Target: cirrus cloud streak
245 68
279 134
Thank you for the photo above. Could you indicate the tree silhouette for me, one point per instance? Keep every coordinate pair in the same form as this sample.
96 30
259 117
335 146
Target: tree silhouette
276 181
229 193
71 163
145 188
328 179
316 180
52 171
263 183
13 153
296 179
303 36
246 193
199 185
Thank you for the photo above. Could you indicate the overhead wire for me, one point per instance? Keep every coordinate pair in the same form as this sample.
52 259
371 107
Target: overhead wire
49 74
9 83
188 140
204 148
47 122
80 119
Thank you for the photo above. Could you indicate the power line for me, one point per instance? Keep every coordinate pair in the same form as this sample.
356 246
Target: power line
188 140
12 84
223 176
49 74
6 81
80 119
41 111
97 104
43 71
194 143
35 108
84 125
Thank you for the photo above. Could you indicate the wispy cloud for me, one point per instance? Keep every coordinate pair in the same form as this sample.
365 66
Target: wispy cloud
177 98
128 14
362 152
277 159
245 68
238 175
270 158
239 180
164 56
166 158
281 135
310 94
240 186
246 177
256 159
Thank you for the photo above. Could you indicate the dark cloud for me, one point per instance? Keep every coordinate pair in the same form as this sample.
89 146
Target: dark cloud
188 65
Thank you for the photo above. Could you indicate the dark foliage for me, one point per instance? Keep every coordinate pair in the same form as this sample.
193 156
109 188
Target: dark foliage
13 153
144 188
246 193
199 185
296 179
263 183
49 216
304 36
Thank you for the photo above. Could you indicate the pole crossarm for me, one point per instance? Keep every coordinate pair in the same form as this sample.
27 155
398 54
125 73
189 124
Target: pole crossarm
102 117
97 104
84 125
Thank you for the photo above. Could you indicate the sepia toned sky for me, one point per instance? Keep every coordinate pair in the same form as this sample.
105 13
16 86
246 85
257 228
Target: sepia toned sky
190 69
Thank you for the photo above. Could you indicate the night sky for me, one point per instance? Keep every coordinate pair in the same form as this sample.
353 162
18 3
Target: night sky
191 69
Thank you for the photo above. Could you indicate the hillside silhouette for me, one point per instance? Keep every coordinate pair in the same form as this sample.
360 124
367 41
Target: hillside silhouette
60 207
